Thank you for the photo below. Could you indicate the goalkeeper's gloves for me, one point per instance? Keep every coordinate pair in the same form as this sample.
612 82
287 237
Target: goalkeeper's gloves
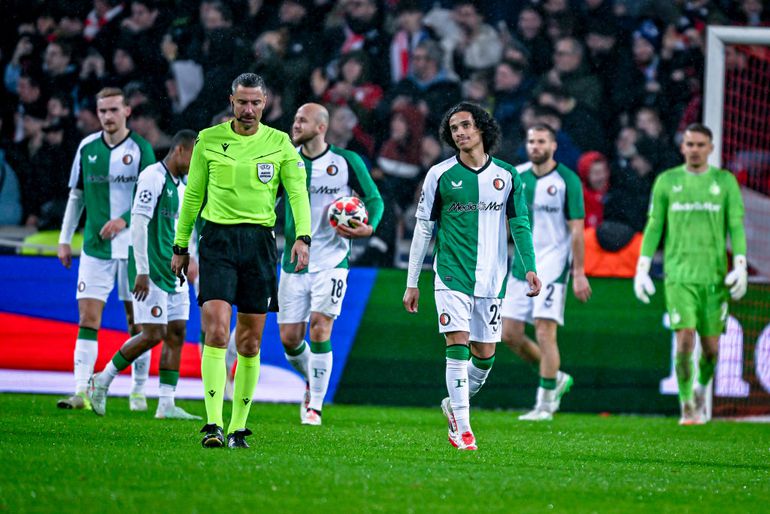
643 286
737 280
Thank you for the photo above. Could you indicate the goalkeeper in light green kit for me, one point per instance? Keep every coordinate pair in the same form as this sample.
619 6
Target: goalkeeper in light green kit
698 205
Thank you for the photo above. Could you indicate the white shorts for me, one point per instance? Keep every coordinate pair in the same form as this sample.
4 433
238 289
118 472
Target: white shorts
299 294
459 312
549 304
161 307
96 278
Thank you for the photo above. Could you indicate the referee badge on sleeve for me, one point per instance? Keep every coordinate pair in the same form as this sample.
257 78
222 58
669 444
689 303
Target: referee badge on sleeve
265 172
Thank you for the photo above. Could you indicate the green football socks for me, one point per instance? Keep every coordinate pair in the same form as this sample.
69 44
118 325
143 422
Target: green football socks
214 375
246 378
684 376
706 368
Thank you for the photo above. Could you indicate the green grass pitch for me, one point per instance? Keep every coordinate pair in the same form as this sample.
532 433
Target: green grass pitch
375 459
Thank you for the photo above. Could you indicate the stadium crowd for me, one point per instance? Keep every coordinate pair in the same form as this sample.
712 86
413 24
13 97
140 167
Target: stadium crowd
617 79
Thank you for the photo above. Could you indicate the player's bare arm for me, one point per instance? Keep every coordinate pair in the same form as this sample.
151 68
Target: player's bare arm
112 228
141 287
580 285
411 299
360 231
534 284
65 255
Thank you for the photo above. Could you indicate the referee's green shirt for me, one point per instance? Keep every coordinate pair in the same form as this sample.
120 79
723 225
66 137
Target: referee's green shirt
239 176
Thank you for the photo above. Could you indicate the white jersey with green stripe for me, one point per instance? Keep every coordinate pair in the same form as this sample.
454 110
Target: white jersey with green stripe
334 173
107 176
471 209
552 199
159 197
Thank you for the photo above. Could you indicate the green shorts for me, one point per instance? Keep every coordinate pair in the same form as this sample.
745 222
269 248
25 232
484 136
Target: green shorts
698 306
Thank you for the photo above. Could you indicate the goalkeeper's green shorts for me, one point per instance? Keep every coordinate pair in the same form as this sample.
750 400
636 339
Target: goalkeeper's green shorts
699 306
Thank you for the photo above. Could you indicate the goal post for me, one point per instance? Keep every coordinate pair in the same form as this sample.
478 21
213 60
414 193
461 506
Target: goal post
737 109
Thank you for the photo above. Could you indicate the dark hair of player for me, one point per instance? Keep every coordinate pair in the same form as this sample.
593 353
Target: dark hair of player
490 130
700 128
544 127
184 138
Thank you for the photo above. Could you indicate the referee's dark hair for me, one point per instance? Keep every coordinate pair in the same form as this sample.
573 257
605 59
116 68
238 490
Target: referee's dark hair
184 138
248 80
490 130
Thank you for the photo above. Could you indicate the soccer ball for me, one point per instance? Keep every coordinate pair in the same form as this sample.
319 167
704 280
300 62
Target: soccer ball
348 210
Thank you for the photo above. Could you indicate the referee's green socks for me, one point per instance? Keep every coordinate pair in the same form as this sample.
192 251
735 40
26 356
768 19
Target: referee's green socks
246 378
214 375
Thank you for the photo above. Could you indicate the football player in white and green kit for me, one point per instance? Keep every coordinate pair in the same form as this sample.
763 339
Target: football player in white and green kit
104 173
315 295
698 205
161 300
555 199
473 199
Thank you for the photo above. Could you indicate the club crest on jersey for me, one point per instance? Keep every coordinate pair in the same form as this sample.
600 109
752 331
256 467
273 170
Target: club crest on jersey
551 190
128 159
498 184
265 172
444 319
332 170
715 189
156 311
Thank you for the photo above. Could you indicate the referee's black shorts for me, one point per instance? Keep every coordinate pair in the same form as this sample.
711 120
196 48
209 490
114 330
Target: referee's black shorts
238 265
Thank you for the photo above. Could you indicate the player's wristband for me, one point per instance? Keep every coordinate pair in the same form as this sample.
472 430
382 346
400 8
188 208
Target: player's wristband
179 250
304 239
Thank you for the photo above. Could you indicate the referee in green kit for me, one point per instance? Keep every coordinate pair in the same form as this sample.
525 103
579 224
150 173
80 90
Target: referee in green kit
237 167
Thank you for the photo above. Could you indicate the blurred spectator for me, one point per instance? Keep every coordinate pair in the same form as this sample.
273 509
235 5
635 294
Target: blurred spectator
582 125
145 119
571 72
146 26
275 114
48 186
477 90
30 91
102 25
649 125
93 74
25 157
410 32
476 46
594 171
629 194
362 29
398 171
354 87
25 60
87 120
530 32
60 73
345 132
751 13
511 92
428 86
10 194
